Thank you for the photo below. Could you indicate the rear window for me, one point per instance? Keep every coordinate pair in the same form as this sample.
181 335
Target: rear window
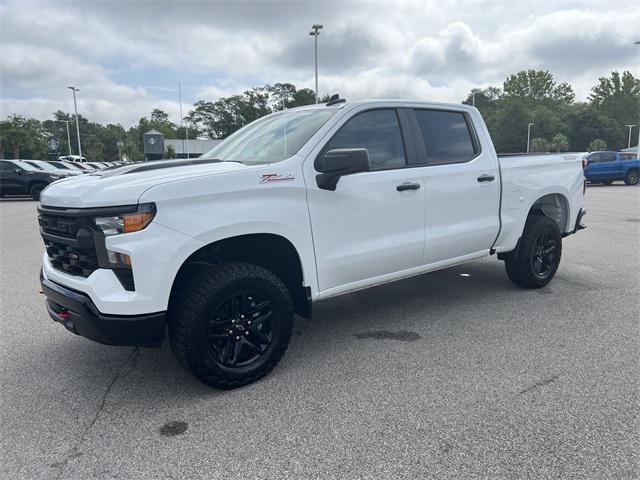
447 136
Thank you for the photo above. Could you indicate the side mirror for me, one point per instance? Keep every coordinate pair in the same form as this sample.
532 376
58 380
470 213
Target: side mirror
338 162
18 171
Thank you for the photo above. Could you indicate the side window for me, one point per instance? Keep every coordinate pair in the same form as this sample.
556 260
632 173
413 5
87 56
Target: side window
379 132
607 157
7 167
447 137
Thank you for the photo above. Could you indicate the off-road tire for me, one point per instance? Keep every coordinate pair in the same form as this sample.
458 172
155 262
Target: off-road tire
632 177
193 308
520 263
35 190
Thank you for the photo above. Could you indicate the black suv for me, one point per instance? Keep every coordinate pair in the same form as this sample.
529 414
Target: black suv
18 180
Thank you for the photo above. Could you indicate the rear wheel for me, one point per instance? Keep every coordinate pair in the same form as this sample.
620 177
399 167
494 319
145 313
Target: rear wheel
231 324
35 190
535 262
632 177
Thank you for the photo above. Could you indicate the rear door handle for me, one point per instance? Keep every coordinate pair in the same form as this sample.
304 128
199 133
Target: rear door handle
408 186
486 178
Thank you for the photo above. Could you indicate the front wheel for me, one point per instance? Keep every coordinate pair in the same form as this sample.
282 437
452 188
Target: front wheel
231 324
535 262
35 190
632 177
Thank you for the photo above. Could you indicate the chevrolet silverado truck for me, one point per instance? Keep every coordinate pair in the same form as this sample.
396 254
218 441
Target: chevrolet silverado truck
607 167
218 253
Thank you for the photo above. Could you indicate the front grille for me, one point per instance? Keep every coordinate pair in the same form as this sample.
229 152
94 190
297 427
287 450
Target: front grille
70 243
71 259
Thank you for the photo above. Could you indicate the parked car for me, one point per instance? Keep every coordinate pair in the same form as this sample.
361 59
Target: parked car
298 206
20 178
45 166
607 167
72 158
66 166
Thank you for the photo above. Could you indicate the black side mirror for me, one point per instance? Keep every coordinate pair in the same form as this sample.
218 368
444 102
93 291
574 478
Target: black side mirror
338 162
18 171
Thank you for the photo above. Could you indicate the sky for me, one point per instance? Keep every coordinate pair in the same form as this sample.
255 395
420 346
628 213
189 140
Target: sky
127 57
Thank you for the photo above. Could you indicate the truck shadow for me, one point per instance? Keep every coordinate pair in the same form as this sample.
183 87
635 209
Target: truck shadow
395 312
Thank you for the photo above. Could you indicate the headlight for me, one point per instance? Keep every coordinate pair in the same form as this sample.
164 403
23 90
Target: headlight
126 222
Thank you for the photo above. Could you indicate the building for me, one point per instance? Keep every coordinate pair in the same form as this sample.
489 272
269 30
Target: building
155 146
194 148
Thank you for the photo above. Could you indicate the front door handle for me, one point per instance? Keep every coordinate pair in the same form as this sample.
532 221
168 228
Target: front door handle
486 178
408 186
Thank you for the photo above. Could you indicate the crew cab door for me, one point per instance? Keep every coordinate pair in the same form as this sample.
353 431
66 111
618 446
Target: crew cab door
462 186
372 224
11 182
603 166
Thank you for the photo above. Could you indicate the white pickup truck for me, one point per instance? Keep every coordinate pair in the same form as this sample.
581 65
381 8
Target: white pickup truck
299 206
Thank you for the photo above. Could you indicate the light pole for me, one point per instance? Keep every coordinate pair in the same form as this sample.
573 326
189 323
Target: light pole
473 99
75 106
186 131
529 135
67 122
630 128
638 146
315 32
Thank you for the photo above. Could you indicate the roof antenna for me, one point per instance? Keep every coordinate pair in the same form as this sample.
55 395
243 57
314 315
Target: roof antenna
335 98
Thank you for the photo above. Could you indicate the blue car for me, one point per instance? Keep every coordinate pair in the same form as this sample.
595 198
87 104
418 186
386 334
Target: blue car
607 167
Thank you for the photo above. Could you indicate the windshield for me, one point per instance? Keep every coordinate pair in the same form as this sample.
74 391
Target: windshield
59 165
35 165
25 166
271 139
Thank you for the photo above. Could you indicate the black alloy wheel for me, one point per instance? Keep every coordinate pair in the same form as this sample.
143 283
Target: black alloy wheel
543 256
241 331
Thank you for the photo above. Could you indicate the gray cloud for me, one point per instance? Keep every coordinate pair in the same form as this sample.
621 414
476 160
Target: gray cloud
430 50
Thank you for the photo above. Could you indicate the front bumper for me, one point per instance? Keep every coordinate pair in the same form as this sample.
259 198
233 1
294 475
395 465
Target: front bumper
78 314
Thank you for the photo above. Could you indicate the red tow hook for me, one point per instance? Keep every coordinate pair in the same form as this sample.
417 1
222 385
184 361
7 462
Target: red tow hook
64 315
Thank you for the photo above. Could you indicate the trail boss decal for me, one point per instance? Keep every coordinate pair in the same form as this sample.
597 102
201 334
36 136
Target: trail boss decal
276 177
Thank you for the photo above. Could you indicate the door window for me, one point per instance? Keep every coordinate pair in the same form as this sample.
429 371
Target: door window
447 137
7 167
379 132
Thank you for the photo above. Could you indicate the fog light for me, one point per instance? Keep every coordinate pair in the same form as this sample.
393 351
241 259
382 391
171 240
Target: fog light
118 259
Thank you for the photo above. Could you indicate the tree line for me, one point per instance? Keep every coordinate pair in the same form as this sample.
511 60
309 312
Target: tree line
531 96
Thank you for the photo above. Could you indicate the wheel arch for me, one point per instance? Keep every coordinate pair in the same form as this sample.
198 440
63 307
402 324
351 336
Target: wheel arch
554 206
268 250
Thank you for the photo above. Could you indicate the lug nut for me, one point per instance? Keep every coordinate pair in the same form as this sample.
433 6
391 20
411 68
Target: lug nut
249 322
241 316
237 338
230 332
233 320
246 332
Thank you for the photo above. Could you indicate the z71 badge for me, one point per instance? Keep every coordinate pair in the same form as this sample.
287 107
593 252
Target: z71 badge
276 177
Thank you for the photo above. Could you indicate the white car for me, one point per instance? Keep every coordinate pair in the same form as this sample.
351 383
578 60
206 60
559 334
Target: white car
296 207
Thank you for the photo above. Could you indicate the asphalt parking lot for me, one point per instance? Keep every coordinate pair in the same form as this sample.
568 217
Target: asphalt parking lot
440 376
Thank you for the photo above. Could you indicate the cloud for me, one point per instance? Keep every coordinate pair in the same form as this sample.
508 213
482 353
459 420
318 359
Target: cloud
126 57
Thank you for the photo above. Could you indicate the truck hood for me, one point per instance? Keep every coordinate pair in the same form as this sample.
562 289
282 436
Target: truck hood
125 185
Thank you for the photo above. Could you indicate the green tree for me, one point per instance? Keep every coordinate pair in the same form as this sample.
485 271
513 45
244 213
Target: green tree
221 118
617 97
597 144
537 86
22 137
169 152
560 143
539 144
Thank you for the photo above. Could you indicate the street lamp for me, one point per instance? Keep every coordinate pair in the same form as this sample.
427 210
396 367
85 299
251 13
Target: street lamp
473 99
529 135
630 128
638 146
315 32
75 106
